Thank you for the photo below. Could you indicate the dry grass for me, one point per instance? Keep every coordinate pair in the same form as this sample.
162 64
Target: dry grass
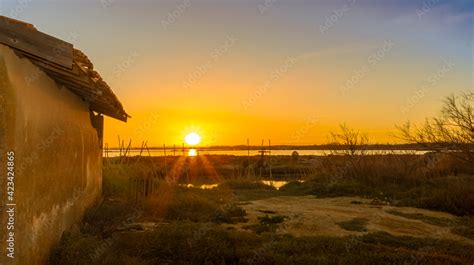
193 243
356 224
195 226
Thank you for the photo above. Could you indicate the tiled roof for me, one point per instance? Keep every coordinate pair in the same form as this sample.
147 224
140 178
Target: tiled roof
62 62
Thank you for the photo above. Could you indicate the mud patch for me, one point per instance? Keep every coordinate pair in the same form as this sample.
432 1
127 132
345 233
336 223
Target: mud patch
311 216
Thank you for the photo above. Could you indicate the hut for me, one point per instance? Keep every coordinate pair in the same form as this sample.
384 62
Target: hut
52 104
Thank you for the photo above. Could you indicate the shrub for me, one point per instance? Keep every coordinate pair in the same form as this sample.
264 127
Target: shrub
188 206
193 243
76 250
455 196
230 214
356 224
464 227
266 224
106 216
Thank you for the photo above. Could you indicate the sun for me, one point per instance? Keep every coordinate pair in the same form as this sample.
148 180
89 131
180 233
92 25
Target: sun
192 138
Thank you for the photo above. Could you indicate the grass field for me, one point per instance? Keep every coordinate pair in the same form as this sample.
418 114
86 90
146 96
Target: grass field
319 217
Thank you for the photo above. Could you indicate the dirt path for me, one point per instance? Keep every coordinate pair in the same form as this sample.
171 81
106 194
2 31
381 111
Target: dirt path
309 215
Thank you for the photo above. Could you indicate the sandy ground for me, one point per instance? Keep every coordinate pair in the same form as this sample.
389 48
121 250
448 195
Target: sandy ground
309 216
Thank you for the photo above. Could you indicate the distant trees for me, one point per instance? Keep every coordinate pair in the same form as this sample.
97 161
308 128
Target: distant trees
353 145
452 132
353 142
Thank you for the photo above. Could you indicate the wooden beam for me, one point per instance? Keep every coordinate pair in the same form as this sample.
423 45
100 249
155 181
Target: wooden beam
108 112
25 37
56 58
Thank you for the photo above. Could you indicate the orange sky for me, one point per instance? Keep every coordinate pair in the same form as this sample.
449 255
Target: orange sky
289 71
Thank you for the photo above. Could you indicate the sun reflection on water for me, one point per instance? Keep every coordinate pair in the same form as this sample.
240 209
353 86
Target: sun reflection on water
192 152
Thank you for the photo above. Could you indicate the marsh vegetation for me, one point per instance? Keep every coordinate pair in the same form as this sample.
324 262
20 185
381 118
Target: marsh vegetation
244 221
348 207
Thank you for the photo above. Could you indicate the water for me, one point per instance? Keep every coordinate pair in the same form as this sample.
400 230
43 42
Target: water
202 187
195 152
277 184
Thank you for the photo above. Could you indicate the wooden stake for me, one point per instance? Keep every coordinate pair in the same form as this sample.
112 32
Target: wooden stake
269 158
151 159
141 148
269 148
248 158
127 150
119 146
248 148
166 164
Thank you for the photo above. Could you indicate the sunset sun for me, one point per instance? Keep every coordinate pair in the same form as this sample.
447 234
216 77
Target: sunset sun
192 138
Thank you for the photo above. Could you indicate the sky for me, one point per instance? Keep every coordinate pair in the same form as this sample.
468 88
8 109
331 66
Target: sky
289 71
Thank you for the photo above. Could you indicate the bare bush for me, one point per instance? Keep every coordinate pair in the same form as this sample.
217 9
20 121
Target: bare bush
352 144
451 133
351 141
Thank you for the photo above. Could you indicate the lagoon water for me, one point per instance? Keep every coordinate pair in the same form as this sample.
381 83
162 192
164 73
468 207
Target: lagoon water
277 184
194 152
202 187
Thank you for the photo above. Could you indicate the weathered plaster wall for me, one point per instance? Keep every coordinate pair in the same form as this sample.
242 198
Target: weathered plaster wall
57 155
